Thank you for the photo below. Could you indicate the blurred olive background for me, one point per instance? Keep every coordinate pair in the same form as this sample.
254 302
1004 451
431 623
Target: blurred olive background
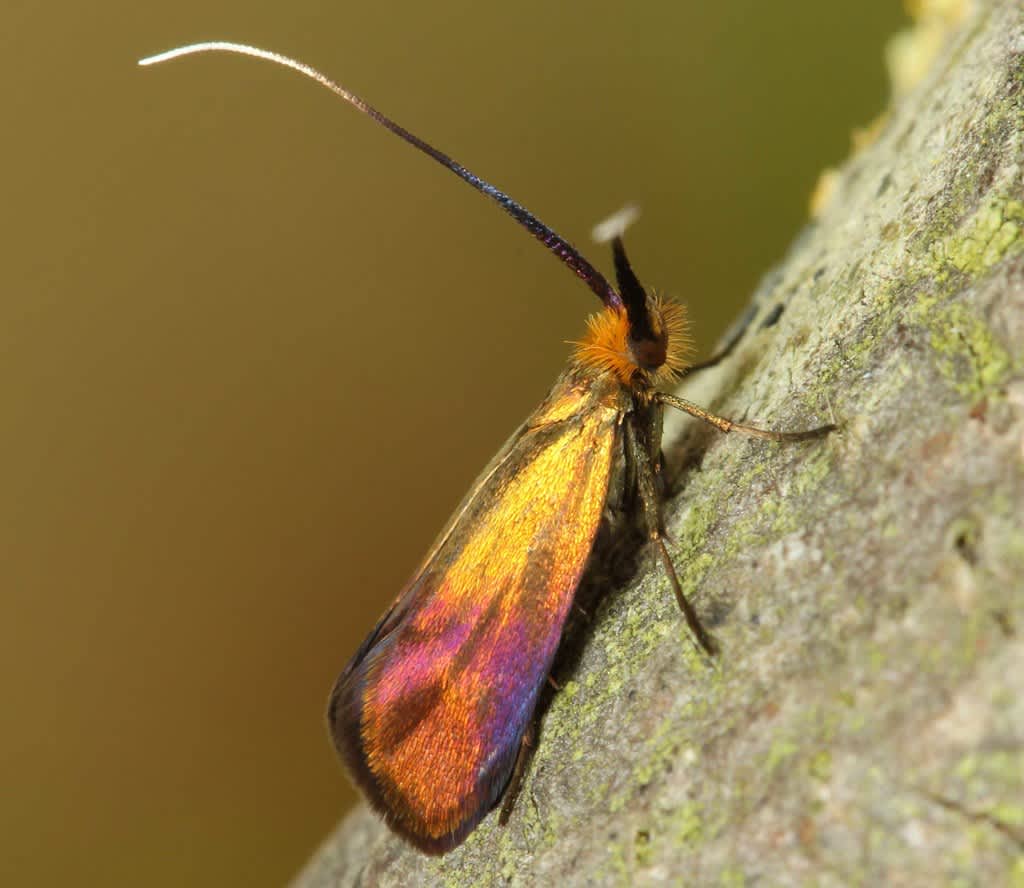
253 350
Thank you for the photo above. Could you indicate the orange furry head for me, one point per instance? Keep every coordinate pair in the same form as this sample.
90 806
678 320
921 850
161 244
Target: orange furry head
606 345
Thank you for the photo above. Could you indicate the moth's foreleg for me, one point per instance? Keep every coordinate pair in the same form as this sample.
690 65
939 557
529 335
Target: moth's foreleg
727 425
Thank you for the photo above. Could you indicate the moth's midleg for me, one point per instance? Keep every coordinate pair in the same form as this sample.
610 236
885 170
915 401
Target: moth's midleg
650 504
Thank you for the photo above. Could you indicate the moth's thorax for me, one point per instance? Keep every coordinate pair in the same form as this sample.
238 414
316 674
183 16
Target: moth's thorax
580 390
609 348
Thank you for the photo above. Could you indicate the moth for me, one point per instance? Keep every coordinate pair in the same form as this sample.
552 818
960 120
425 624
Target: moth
436 707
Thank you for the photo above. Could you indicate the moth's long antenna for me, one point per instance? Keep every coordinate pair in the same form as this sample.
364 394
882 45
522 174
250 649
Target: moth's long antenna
555 243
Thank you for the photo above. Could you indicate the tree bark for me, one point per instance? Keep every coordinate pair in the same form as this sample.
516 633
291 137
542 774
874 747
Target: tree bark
864 721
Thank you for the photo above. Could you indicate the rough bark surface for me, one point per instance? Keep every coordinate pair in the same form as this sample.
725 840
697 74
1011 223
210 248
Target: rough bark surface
864 723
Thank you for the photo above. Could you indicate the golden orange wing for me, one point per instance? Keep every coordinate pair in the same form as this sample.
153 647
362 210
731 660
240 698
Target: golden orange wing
430 712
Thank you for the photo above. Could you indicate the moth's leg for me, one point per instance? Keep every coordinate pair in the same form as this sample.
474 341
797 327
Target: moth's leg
725 350
515 783
727 425
650 504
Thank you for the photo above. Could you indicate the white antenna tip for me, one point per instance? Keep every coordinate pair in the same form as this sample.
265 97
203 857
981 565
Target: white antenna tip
158 58
616 224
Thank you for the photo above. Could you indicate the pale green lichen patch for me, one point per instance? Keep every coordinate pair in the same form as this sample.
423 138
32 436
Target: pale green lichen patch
1007 813
659 751
820 766
614 869
781 750
987 789
732 877
1000 766
642 850
1017 874
689 824
967 352
984 240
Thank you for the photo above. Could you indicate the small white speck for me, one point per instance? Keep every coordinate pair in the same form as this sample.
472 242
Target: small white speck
615 224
